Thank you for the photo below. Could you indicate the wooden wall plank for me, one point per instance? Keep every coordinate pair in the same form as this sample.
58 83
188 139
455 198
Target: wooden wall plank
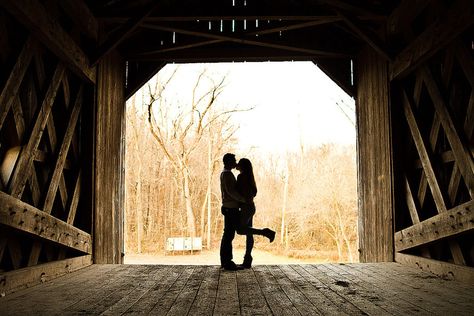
450 223
22 216
374 159
13 281
37 19
109 160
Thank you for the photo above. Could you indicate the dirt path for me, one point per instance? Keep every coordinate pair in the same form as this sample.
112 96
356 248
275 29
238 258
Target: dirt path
210 258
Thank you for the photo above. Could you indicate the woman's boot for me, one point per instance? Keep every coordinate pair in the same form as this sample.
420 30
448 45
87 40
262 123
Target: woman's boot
270 234
247 264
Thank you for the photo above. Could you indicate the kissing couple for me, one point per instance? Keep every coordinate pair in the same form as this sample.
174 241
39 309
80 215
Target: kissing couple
238 209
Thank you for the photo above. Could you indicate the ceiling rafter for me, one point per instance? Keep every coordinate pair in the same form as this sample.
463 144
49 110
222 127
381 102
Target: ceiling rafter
366 35
152 19
246 41
260 32
120 34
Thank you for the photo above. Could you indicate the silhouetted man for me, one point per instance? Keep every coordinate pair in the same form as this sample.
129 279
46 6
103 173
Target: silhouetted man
230 210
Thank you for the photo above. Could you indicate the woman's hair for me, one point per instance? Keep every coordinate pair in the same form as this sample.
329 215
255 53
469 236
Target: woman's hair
245 167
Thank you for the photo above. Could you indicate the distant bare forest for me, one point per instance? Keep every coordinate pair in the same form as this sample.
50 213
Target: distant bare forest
173 161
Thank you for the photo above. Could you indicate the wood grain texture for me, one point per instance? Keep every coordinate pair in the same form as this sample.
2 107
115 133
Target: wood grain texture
109 161
26 218
322 289
374 156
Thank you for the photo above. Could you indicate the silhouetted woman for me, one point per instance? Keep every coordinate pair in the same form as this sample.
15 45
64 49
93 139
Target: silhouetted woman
248 189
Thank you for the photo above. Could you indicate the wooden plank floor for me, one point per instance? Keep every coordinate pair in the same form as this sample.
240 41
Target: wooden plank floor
325 289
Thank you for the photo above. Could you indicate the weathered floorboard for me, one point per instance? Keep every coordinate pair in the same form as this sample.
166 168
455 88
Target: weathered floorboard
324 289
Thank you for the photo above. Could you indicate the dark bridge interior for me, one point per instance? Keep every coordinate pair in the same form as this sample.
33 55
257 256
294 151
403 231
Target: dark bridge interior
68 66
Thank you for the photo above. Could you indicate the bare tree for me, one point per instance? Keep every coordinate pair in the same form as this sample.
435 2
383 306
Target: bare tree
180 129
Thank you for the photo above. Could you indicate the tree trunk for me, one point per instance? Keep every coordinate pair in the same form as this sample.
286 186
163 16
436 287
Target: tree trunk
209 192
283 209
139 215
190 219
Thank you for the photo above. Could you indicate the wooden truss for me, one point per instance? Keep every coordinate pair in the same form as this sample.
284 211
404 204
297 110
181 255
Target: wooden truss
433 104
41 152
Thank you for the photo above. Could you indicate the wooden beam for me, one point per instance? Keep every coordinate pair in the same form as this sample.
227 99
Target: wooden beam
79 12
260 32
25 161
411 202
12 85
423 153
211 42
144 73
75 200
366 36
402 16
26 218
225 54
461 151
63 151
435 37
450 223
239 40
58 171
120 34
13 281
334 69
442 269
206 18
345 5
36 18
444 157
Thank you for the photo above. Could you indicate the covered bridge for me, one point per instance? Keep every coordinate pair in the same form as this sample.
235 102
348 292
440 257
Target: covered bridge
67 67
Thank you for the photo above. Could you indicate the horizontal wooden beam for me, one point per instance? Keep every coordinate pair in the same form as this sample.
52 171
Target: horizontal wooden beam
15 280
223 55
215 41
26 218
36 18
207 18
442 269
435 37
246 41
450 223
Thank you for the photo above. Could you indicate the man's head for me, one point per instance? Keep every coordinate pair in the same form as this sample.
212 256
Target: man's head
229 161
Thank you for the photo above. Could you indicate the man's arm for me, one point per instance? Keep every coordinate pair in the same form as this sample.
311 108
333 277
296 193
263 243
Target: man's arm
229 187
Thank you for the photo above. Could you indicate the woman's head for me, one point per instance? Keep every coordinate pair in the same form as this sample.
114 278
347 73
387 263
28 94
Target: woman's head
245 166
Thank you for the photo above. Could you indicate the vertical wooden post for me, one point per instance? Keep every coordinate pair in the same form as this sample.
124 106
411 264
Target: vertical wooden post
109 161
374 159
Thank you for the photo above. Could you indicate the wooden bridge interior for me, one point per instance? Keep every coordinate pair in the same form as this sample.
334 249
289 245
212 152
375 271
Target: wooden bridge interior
67 67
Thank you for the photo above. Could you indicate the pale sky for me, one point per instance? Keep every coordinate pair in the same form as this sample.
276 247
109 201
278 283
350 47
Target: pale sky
293 101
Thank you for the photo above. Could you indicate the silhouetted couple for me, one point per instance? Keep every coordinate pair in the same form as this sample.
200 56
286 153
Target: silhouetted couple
238 209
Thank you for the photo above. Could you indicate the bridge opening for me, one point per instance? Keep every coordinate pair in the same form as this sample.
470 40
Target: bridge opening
293 123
